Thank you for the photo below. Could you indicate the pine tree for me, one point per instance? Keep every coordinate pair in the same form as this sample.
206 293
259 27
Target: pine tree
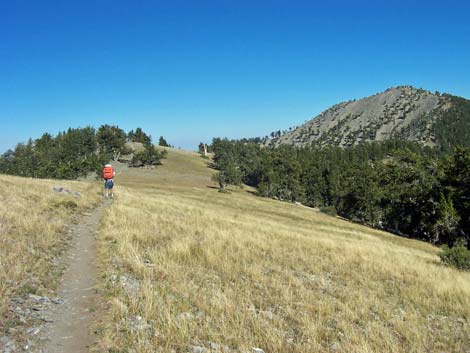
162 142
111 140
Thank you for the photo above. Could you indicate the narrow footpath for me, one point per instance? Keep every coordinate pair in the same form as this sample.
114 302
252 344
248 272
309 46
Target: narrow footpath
69 327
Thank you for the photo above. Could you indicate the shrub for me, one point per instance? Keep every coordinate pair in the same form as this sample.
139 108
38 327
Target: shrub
68 204
457 256
149 156
329 210
229 175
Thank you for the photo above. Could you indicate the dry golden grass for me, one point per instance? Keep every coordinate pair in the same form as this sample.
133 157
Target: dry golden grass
32 231
188 266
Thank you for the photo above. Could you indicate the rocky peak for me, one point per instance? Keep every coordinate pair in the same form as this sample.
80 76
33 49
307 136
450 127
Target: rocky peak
398 112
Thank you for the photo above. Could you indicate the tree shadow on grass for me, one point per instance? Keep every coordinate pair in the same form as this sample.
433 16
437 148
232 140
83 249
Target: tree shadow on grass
227 189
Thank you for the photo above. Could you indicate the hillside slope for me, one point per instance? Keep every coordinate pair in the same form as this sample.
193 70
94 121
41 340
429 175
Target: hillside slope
186 268
399 112
33 223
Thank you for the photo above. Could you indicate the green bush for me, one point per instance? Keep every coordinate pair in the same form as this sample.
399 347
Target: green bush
68 204
229 175
329 210
457 256
149 156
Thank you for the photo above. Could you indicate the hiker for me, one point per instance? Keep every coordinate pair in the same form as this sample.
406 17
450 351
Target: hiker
108 175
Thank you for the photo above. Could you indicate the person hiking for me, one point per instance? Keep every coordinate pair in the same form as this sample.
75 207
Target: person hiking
108 174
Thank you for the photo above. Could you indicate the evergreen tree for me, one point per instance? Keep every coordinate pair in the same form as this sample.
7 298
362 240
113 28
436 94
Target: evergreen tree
69 154
162 142
149 156
139 136
111 140
457 181
446 226
201 147
229 175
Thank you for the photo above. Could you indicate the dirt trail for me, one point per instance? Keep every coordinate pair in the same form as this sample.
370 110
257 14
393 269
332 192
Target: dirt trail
70 324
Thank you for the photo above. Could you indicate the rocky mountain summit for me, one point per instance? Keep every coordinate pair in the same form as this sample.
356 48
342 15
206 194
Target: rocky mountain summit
401 112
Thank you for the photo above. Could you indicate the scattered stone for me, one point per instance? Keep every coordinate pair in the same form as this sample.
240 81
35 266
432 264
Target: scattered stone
148 263
332 323
129 283
9 346
268 314
35 297
62 190
46 319
214 346
200 314
39 299
33 331
57 301
185 316
198 349
37 308
137 323
18 300
257 350
336 347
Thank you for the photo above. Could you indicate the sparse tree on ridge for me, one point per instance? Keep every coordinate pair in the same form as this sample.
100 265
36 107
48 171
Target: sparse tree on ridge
230 175
149 156
202 149
162 142
139 136
111 140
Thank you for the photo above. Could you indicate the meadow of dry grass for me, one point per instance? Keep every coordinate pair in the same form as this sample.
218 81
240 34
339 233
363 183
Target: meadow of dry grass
185 267
33 219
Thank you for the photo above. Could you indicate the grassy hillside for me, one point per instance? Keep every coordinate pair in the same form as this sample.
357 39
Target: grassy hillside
186 267
32 232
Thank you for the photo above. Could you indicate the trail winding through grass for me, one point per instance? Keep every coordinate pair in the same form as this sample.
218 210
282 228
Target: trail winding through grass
70 324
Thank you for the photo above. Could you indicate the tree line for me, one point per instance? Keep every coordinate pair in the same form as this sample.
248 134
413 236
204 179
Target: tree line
396 185
78 151
452 126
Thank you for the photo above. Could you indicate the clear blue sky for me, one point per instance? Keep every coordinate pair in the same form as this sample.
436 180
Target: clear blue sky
191 70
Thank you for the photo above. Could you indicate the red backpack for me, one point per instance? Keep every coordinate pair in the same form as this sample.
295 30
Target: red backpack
108 172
